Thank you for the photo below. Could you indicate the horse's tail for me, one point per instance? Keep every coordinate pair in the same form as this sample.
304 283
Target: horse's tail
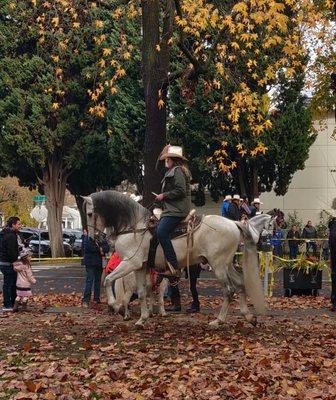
252 280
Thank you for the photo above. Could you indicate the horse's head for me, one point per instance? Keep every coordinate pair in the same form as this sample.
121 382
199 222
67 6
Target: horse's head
94 222
261 223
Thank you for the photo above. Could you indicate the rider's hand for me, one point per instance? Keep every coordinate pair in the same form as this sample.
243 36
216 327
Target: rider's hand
159 197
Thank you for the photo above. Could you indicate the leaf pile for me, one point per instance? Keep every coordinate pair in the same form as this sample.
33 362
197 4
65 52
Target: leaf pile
94 355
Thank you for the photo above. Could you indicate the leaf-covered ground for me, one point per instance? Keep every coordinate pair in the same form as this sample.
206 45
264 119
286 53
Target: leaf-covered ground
75 353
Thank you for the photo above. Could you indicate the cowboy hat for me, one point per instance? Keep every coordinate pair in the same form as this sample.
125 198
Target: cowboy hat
228 197
236 197
172 152
257 201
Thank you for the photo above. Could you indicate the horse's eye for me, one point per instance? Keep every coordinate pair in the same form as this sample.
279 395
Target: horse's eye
89 214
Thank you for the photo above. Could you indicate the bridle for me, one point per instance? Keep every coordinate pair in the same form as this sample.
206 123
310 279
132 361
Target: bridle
95 229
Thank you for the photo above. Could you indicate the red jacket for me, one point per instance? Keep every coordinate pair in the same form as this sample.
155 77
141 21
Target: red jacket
113 262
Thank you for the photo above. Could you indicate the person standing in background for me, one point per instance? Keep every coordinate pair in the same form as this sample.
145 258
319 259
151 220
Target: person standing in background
234 211
9 253
255 207
226 205
293 235
332 247
309 232
276 241
93 252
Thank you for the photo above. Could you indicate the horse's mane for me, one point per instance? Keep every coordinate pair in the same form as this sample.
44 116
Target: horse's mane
117 210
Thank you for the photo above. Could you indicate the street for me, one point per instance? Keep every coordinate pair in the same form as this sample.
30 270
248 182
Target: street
69 278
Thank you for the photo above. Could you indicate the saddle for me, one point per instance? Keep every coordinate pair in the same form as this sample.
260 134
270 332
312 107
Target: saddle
190 223
187 227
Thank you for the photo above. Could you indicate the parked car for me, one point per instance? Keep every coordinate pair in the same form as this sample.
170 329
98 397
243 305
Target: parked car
45 249
27 234
76 236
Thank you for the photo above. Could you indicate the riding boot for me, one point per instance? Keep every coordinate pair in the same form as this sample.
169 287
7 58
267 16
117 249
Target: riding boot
175 299
194 308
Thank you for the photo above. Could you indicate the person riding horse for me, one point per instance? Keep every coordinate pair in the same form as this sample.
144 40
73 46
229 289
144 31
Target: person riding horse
176 199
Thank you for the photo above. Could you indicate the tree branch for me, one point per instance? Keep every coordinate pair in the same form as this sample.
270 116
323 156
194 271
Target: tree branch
181 44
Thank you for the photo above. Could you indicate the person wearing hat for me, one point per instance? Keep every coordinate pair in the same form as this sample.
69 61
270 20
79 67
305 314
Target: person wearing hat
255 207
176 201
24 280
226 205
245 208
234 211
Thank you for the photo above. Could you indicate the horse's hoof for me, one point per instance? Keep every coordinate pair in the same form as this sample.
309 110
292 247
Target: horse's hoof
139 326
163 314
254 321
110 309
127 317
121 310
215 324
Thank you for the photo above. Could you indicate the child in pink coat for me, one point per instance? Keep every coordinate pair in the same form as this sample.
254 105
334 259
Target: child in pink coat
24 280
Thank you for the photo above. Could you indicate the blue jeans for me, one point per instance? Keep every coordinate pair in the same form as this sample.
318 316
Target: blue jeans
9 285
165 228
93 278
277 250
293 251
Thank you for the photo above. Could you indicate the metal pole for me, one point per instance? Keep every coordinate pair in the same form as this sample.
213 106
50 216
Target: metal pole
39 251
266 262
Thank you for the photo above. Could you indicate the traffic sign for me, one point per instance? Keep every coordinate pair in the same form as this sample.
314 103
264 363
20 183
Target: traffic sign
39 213
39 198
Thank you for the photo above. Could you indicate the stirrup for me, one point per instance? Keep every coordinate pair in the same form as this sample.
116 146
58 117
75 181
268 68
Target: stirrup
171 272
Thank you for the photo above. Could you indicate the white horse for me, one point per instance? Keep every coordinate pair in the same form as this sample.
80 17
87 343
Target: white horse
127 285
216 240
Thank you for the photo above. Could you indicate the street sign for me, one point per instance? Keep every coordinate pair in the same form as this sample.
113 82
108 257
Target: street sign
39 198
39 213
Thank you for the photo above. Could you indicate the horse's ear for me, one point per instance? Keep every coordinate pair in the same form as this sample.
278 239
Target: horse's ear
87 199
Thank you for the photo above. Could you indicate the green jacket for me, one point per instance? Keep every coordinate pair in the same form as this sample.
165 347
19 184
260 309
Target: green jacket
177 194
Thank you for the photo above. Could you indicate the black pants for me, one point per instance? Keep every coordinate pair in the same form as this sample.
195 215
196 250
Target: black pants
194 275
332 246
175 296
311 245
9 285
93 278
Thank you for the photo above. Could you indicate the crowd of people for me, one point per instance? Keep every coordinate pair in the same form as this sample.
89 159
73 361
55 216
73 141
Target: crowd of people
238 208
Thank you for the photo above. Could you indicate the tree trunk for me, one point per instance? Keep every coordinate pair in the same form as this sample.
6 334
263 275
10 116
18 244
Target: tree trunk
54 184
155 66
255 183
79 202
241 179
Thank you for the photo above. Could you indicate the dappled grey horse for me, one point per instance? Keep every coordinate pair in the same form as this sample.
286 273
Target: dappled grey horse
216 241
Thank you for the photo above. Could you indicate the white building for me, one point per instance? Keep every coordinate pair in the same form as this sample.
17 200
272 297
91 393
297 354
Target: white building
314 188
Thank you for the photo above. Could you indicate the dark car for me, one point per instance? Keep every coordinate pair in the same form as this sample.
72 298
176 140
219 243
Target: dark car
44 245
27 234
75 239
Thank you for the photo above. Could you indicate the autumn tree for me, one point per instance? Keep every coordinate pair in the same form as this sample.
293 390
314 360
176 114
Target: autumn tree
53 71
16 200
